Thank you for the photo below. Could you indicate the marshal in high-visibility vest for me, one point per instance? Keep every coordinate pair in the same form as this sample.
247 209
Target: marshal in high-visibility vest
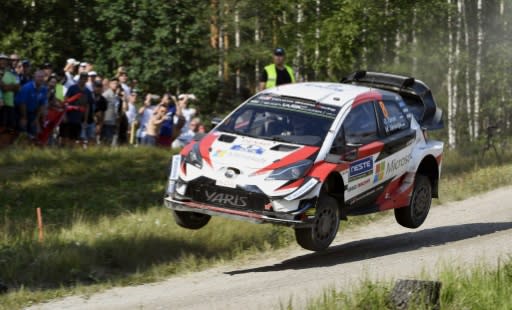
277 73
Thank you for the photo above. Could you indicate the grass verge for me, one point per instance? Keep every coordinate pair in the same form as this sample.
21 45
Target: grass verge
479 288
104 224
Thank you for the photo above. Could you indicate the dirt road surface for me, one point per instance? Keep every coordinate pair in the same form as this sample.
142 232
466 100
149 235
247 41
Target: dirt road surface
474 231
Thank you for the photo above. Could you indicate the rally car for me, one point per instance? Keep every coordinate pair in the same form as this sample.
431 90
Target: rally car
307 155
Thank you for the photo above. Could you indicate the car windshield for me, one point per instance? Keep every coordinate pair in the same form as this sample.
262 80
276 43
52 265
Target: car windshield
284 119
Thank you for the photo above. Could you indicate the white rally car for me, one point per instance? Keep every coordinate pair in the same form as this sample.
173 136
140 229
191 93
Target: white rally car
309 154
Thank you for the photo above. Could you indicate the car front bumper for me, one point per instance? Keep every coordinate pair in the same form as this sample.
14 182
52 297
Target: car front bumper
288 219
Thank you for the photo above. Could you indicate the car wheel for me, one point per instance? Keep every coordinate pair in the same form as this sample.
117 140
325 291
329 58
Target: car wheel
325 226
191 220
415 214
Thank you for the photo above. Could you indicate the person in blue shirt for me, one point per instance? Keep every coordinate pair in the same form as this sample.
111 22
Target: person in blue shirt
166 130
31 101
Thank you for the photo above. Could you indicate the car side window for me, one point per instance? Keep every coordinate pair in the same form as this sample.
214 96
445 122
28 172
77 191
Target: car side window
393 118
360 125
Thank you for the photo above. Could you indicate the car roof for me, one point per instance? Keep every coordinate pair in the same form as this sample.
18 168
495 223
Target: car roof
329 93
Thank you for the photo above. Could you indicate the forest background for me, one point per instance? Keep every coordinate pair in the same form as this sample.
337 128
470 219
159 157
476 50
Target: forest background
216 49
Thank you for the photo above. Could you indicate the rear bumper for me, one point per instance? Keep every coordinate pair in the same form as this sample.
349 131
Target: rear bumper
287 219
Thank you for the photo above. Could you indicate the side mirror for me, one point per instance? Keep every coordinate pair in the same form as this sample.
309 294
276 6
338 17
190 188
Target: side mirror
351 151
198 136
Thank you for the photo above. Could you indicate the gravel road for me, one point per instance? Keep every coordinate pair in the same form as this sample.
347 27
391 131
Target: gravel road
474 231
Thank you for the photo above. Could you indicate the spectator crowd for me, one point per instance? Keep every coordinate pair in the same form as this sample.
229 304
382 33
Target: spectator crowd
79 106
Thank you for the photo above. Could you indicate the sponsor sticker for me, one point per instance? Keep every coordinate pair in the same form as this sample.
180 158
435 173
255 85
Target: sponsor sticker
361 168
253 149
219 153
358 185
380 172
226 199
397 164
175 166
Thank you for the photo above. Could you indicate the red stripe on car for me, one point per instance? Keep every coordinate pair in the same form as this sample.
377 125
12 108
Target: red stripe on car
439 159
394 196
300 154
204 147
321 170
187 148
365 97
222 210
370 149
295 184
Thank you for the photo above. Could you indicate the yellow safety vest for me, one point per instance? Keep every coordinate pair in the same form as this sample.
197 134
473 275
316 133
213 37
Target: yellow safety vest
272 75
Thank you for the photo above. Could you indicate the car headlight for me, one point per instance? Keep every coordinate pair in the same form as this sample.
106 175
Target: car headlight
194 157
291 172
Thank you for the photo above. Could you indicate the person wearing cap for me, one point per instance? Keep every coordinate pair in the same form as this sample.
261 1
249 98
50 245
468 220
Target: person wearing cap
81 68
79 100
122 75
48 70
277 73
90 82
8 85
32 100
69 71
15 61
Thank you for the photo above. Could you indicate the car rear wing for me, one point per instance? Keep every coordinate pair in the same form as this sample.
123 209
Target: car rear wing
416 94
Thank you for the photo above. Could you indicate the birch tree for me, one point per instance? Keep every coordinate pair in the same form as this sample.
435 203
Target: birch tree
480 38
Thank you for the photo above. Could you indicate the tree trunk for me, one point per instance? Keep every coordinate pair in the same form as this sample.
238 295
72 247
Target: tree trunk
451 118
480 38
226 42
300 41
237 46
317 39
214 24
414 42
456 63
469 107
257 41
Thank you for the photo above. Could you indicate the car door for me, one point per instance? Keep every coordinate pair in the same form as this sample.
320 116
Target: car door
398 139
357 145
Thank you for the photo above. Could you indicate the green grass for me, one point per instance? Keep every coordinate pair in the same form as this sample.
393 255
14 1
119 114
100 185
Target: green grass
479 287
105 224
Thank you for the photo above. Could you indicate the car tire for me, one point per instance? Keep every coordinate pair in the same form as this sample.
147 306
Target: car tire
415 214
324 228
191 220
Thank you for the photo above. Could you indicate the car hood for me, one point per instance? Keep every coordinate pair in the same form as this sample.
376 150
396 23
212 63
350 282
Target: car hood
258 155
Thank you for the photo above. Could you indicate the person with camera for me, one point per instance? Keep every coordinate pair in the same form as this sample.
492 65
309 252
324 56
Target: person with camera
154 124
144 114
165 137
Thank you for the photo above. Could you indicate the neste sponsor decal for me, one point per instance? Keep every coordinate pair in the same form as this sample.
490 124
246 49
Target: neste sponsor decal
398 163
361 168
226 199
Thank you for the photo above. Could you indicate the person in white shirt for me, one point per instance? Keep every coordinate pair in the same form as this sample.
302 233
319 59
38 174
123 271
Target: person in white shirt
144 115
69 71
188 113
122 75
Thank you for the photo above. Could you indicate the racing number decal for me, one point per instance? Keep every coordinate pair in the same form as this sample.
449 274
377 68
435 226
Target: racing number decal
383 108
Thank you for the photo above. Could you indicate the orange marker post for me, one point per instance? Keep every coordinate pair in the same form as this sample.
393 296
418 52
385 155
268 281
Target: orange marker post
40 224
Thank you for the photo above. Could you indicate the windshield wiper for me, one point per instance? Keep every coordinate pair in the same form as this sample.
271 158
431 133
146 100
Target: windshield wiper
280 139
238 133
